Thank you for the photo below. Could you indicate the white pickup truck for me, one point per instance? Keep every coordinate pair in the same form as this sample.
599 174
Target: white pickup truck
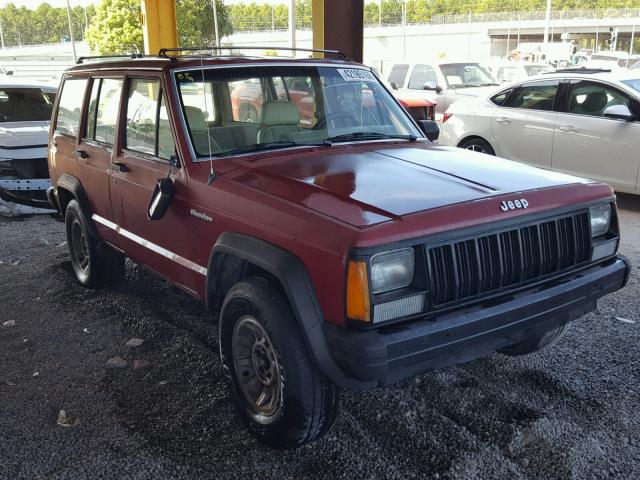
25 112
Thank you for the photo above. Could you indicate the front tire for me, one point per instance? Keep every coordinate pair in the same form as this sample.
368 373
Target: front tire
479 145
535 343
94 264
283 399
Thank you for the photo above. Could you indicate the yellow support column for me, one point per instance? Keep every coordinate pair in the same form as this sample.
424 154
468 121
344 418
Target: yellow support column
317 25
159 25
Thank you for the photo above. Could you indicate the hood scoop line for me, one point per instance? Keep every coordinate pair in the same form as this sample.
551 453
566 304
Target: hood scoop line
475 185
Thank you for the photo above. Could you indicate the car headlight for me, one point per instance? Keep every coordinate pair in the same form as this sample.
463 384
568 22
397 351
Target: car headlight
392 270
600 219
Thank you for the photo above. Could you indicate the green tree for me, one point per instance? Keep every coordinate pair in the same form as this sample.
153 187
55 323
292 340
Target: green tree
195 22
116 28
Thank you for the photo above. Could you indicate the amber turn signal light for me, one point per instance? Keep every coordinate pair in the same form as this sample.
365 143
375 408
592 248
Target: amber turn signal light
358 304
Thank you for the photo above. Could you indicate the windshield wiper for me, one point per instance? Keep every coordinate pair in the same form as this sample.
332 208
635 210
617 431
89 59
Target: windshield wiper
369 136
489 84
260 147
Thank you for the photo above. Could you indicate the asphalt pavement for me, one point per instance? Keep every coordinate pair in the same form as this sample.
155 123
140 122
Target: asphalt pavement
571 411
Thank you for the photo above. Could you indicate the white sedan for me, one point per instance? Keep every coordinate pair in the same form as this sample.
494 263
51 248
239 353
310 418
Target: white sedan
582 122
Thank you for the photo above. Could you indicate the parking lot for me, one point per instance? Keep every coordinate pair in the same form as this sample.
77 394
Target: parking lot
568 412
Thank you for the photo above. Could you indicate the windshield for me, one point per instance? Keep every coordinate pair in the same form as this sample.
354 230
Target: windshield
20 104
633 83
462 75
238 110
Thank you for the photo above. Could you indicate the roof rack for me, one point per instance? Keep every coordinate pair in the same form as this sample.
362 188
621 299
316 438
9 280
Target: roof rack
584 70
166 52
96 57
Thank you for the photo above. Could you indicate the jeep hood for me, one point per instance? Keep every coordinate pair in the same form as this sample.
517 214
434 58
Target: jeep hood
367 185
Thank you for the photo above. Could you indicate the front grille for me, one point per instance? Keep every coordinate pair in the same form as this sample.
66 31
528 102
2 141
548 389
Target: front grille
466 268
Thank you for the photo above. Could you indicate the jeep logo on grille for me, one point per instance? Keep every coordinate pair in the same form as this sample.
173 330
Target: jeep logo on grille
512 205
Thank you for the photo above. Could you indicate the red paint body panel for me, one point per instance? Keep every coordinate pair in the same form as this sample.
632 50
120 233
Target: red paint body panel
315 202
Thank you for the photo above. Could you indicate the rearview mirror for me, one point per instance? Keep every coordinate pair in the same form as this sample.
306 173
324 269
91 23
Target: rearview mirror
619 112
431 85
430 129
161 199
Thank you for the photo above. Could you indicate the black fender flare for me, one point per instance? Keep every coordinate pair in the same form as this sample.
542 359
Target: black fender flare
73 185
289 270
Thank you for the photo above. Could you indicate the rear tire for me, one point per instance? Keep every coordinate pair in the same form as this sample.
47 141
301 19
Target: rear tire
535 343
479 145
95 264
283 399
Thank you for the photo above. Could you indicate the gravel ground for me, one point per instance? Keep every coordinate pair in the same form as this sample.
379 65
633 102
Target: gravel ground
568 412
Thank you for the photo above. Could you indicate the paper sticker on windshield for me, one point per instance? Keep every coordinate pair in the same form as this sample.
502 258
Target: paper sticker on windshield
356 75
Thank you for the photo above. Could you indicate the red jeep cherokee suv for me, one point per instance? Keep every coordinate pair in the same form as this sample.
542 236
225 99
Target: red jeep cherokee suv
344 250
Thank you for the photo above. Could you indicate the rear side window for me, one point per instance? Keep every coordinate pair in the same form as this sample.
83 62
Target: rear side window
107 112
501 97
422 74
534 96
70 106
398 74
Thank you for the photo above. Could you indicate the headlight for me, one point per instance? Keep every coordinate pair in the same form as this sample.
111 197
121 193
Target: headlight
392 270
600 219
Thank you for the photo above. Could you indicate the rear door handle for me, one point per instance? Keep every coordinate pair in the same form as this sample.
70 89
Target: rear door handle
503 120
80 154
567 128
119 167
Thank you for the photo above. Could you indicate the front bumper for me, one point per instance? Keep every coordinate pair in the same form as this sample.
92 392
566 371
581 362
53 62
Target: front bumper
387 355
24 196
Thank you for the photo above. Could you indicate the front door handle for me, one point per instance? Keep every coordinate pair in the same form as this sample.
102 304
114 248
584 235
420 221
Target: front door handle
80 154
119 167
568 128
503 120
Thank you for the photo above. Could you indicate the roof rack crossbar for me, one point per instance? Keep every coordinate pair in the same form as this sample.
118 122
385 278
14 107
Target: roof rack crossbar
164 52
124 55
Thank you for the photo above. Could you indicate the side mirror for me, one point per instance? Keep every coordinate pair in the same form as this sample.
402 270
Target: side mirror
161 198
430 129
432 86
393 85
9 72
619 112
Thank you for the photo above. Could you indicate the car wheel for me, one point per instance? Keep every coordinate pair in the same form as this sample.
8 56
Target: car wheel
94 264
535 343
283 399
478 145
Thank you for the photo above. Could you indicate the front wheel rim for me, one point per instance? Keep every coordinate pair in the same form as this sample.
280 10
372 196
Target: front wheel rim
257 368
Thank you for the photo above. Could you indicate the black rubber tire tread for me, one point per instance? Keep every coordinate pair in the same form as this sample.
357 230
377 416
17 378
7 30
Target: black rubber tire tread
309 401
106 266
479 141
534 344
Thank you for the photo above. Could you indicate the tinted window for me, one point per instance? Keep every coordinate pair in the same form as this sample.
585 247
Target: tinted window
593 98
24 105
107 114
142 111
534 96
70 106
422 74
501 97
398 74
